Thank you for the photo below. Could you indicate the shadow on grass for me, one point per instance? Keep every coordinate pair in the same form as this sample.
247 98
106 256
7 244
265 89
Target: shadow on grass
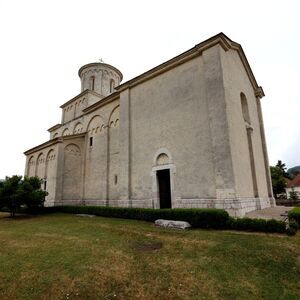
146 246
8 217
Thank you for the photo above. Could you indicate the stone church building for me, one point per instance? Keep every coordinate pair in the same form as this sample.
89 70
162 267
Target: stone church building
187 133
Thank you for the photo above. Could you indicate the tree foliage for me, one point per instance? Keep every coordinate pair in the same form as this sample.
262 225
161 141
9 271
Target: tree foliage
278 178
16 192
293 195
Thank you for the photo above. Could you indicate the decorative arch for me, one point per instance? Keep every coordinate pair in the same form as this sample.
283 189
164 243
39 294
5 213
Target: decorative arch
162 154
40 159
73 149
50 155
40 166
65 132
113 120
50 173
162 159
72 172
78 128
94 123
30 167
113 154
163 174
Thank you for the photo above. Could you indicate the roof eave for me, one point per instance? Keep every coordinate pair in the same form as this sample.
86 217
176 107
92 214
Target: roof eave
221 39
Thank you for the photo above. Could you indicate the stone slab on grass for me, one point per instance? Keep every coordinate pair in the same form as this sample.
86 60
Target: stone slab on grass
85 215
172 224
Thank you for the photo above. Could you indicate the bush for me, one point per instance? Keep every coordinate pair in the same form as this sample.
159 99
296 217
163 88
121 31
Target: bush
294 215
15 193
198 218
262 225
292 228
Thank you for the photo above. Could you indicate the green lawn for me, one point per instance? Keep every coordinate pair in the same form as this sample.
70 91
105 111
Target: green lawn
63 256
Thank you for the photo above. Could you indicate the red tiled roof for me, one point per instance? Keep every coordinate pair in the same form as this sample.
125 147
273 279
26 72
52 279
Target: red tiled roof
294 182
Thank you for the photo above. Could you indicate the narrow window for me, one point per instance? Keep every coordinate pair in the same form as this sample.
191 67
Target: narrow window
112 85
116 179
91 141
92 83
245 108
45 185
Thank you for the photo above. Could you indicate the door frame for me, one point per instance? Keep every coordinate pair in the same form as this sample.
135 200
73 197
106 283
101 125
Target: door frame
156 167
164 180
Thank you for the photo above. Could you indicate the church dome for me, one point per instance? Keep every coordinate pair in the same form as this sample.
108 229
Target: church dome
99 77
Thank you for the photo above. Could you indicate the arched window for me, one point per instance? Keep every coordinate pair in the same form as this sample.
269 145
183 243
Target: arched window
245 108
112 86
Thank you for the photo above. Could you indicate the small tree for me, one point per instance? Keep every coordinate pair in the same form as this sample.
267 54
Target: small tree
293 195
278 181
33 195
15 192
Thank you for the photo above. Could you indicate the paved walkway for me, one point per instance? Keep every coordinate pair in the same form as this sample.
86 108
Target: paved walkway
270 213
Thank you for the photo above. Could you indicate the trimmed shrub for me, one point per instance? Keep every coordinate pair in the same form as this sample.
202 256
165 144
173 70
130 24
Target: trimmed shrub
198 218
292 228
262 225
294 215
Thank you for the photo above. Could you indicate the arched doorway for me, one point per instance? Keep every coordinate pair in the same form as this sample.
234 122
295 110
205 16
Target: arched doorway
163 175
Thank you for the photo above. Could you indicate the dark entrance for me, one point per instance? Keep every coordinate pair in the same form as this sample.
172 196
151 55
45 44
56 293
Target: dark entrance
164 188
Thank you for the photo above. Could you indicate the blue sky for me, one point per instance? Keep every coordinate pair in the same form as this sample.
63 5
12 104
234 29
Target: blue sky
44 43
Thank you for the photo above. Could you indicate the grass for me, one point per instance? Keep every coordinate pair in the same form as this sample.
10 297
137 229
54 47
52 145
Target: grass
68 257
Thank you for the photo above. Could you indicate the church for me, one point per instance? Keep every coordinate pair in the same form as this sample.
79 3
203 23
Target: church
188 133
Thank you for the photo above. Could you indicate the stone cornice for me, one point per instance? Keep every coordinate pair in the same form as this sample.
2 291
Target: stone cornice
44 145
239 49
53 142
219 39
54 127
166 66
73 136
102 102
85 92
100 64
259 92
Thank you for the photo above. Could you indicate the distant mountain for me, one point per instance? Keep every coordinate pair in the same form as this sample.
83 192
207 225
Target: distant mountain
294 171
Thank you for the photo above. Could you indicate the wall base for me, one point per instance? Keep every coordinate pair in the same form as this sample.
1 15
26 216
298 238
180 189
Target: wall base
235 207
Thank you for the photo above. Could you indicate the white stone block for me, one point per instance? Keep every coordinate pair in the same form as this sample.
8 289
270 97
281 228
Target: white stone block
172 224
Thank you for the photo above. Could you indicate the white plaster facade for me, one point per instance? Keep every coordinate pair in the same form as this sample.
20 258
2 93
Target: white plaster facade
190 130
